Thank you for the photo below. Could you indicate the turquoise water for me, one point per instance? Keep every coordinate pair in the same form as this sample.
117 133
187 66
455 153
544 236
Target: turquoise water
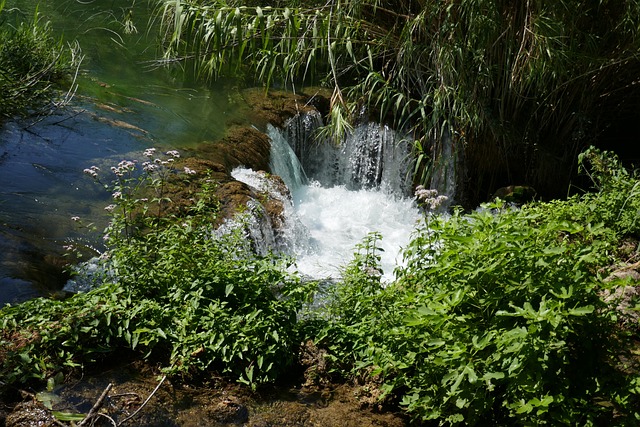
123 105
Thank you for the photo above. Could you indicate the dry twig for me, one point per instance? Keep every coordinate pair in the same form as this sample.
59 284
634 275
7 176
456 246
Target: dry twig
96 407
143 403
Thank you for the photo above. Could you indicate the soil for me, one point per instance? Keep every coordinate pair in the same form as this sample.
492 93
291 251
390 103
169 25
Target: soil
214 402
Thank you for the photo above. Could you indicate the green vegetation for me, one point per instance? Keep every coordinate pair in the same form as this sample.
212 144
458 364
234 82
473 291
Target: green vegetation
521 88
171 291
498 317
33 66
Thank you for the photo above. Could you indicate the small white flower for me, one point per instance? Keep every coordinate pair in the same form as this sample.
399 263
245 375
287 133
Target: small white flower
124 167
149 167
173 153
149 152
75 218
189 171
91 172
430 198
117 195
110 208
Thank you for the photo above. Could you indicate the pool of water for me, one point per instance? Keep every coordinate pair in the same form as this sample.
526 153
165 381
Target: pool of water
123 105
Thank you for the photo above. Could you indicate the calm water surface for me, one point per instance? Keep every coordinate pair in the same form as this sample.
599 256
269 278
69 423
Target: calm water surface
123 105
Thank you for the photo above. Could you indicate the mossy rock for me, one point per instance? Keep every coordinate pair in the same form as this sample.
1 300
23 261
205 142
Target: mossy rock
518 194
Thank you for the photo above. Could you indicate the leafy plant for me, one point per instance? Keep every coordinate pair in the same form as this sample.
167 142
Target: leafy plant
32 66
176 292
622 188
498 318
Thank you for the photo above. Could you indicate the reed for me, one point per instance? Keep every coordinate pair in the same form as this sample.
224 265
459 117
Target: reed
34 67
522 87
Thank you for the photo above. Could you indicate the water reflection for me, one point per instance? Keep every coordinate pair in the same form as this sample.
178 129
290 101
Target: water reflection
122 107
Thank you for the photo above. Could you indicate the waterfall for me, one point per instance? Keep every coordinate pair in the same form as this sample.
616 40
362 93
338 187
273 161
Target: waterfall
284 161
371 156
339 194
444 168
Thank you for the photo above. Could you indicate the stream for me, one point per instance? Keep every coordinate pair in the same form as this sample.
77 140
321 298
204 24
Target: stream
124 105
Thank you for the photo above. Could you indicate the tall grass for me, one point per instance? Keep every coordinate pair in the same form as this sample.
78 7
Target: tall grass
522 87
34 67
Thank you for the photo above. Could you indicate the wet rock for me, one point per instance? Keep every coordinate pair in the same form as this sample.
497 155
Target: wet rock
225 411
230 411
241 146
316 363
333 407
233 196
282 414
30 414
518 194
276 107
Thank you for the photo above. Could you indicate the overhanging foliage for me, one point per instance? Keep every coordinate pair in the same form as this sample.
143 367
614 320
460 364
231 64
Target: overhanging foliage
522 87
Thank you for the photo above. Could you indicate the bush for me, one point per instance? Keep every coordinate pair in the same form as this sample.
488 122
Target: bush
497 318
174 292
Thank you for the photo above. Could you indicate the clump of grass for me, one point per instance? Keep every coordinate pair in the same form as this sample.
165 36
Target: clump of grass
34 68
516 90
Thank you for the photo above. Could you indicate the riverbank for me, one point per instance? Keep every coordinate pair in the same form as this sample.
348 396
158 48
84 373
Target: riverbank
515 312
210 401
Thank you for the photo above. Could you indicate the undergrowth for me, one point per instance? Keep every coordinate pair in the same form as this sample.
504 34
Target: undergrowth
172 290
34 67
497 317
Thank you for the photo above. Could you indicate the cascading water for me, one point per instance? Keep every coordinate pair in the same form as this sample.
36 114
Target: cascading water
444 168
340 194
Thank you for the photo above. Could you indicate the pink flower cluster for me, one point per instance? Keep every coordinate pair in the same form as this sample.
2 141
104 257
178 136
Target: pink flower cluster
92 171
124 167
429 198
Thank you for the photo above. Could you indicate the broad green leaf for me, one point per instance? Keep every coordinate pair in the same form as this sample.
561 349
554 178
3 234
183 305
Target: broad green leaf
228 289
581 311
492 376
67 416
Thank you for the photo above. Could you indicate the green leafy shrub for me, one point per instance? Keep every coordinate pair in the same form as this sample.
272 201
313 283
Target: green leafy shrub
172 290
506 322
497 317
617 201
354 310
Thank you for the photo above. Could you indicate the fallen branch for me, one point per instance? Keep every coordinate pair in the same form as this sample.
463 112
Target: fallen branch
96 407
143 403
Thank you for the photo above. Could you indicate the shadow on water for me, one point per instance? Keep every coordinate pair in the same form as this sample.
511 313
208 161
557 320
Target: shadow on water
122 107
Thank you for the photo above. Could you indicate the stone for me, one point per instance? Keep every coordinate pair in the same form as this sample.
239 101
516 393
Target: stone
518 194
30 413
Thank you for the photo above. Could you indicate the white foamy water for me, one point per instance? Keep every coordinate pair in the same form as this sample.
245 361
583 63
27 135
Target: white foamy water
338 219
355 188
324 225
